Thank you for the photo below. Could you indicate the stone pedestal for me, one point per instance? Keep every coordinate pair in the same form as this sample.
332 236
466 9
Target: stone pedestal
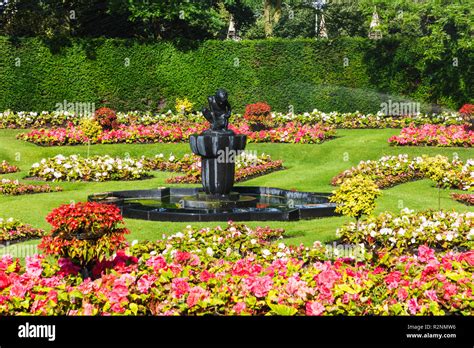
218 150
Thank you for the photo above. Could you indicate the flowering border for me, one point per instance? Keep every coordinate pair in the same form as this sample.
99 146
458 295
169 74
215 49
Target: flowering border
14 231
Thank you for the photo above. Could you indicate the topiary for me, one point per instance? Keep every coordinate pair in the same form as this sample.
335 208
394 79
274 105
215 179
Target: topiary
107 118
85 233
90 128
356 196
258 116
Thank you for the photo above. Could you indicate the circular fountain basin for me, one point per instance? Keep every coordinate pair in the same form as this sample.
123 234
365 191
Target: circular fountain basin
243 204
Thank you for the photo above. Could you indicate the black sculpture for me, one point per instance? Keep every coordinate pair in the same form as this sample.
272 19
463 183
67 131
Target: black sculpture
218 174
220 111
218 199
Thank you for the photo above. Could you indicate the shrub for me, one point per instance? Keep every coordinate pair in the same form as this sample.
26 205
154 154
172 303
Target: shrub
85 233
356 197
258 116
91 129
12 230
107 118
183 106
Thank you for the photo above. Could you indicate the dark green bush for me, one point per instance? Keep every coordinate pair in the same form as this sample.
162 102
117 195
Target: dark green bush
301 73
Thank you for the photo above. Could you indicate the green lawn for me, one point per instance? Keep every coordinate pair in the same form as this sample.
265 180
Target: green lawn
309 168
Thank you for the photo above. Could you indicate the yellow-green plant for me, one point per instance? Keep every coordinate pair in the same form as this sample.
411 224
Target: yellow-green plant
183 106
356 196
91 128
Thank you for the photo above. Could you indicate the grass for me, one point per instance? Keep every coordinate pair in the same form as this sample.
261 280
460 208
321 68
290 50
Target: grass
309 168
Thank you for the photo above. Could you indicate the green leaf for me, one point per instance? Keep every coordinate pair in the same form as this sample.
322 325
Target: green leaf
279 309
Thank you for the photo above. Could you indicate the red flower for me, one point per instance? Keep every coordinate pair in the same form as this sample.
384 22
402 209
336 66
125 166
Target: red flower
180 287
4 281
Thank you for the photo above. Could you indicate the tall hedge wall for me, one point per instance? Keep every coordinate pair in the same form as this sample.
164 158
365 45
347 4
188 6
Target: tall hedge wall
303 73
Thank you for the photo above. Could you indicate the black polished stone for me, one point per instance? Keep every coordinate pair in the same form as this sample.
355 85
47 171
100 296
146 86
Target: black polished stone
163 204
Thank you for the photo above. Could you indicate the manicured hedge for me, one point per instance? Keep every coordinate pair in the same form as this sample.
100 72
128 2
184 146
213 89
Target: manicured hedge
304 73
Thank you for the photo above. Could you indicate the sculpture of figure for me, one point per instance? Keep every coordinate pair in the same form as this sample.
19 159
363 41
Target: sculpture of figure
220 111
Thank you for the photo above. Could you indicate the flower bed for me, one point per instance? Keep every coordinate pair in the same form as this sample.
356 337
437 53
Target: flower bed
96 168
393 170
15 188
13 231
466 198
173 133
6 168
236 270
409 230
247 166
105 168
10 119
434 135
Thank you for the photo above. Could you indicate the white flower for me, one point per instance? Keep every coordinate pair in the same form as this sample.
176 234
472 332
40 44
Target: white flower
281 246
209 251
266 252
373 234
253 241
449 237
439 237
134 242
401 232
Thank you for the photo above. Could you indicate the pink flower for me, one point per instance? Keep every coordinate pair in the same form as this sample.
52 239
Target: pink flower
145 282
392 279
425 253
402 294
413 306
68 267
468 257
239 307
205 276
431 294
259 286
18 290
179 287
33 266
196 294
314 308
157 262
327 278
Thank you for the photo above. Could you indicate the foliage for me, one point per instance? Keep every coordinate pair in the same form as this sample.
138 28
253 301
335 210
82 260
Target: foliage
106 117
176 132
281 72
235 270
349 120
434 135
14 188
393 170
183 106
7 168
258 114
12 230
85 233
90 128
404 233
356 196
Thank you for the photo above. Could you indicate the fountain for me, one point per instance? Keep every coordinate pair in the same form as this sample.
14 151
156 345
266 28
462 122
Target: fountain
218 199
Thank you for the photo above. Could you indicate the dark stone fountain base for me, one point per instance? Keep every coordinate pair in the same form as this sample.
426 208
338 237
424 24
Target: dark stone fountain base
242 204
